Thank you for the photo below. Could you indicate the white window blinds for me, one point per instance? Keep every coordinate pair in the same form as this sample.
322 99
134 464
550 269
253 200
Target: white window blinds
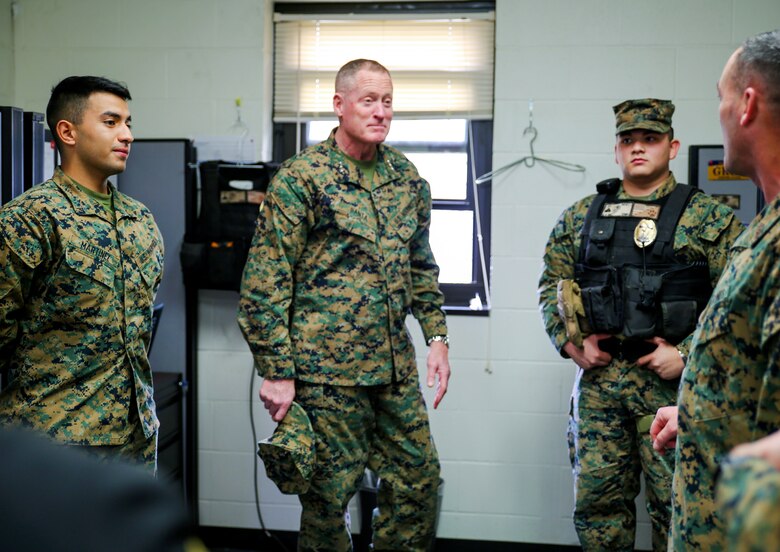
440 67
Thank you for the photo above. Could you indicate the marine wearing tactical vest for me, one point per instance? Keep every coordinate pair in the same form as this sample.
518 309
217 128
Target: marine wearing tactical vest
626 272
631 280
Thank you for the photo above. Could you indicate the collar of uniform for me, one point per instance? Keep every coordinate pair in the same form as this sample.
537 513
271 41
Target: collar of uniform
385 169
124 206
663 190
764 221
86 206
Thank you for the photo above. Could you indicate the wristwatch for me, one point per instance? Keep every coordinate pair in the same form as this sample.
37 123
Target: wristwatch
684 357
443 338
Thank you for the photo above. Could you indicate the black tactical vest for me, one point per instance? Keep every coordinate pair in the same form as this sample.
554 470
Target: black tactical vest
639 292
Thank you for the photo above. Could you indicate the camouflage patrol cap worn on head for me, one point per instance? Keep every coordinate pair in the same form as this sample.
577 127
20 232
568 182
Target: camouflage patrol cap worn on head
646 114
289 454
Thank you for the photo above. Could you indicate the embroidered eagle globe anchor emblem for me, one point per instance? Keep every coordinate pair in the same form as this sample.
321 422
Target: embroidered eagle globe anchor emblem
645 233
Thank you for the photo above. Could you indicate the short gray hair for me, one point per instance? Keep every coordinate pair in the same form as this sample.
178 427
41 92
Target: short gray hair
759 56
345 78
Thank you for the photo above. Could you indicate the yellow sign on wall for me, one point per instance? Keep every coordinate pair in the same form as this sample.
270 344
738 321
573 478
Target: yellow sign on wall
716 171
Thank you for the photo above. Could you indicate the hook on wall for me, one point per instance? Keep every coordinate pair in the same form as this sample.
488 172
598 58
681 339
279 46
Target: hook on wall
530 160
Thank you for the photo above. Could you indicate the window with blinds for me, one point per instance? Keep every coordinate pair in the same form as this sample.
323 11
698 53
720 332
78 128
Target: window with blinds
441 67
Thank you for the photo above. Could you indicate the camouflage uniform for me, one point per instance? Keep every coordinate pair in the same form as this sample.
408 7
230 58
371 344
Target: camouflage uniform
76 295
607 449
748 496
730 389
335 266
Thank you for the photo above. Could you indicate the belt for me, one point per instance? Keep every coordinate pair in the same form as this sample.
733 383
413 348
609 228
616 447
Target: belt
626 349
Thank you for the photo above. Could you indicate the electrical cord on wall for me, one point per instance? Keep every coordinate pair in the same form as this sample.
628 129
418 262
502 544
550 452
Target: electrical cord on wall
257 464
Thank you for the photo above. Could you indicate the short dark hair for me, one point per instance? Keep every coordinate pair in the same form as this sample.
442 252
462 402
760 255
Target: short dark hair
346 75
69 99
759 56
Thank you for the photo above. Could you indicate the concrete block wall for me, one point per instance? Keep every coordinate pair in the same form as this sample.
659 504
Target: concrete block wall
184 61
6 54
501 430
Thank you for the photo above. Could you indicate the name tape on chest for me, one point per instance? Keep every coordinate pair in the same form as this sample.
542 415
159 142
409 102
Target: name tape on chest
631 209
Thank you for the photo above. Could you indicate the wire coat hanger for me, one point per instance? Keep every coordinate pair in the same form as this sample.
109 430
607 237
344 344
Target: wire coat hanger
530 160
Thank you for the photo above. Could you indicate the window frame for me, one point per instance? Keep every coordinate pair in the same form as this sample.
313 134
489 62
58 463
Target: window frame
457 295
479 147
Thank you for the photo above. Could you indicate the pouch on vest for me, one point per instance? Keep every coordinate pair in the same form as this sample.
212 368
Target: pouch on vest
601 298
640 291
681 307
679 319
599 236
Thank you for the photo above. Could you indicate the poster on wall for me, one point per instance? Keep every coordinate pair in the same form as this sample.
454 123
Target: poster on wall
706 170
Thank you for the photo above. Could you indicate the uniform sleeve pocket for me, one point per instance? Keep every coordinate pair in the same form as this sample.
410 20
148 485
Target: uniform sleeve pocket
713 323
151 269
406 228
717 221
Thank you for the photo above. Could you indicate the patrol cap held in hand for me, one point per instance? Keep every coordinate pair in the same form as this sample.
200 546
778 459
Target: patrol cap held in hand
646 114
289 454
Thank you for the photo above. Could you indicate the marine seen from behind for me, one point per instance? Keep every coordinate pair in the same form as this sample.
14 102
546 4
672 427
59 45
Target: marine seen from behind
730 390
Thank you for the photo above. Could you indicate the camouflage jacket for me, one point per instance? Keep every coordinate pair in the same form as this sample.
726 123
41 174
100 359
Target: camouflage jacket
748 499
335 266
75 348
706 230
730 389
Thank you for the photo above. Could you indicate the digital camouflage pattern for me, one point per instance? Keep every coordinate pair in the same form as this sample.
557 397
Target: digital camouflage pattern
335 266
609 450
76 297
289 454
386 428
337 262
606 449
646 114
137 449
748 496
730 389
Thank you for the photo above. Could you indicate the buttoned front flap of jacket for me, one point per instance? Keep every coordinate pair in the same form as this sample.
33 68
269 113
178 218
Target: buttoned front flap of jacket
342 259
142 250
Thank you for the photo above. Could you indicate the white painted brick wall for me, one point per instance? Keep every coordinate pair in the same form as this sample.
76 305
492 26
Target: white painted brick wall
501 430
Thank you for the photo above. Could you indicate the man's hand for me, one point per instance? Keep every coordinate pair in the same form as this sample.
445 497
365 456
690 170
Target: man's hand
664 361
438 363
767 448
664 428
277 396
589 356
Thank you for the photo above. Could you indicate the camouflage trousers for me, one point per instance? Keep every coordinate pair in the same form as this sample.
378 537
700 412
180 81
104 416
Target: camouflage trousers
138 450
386 429
609 450
748 498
